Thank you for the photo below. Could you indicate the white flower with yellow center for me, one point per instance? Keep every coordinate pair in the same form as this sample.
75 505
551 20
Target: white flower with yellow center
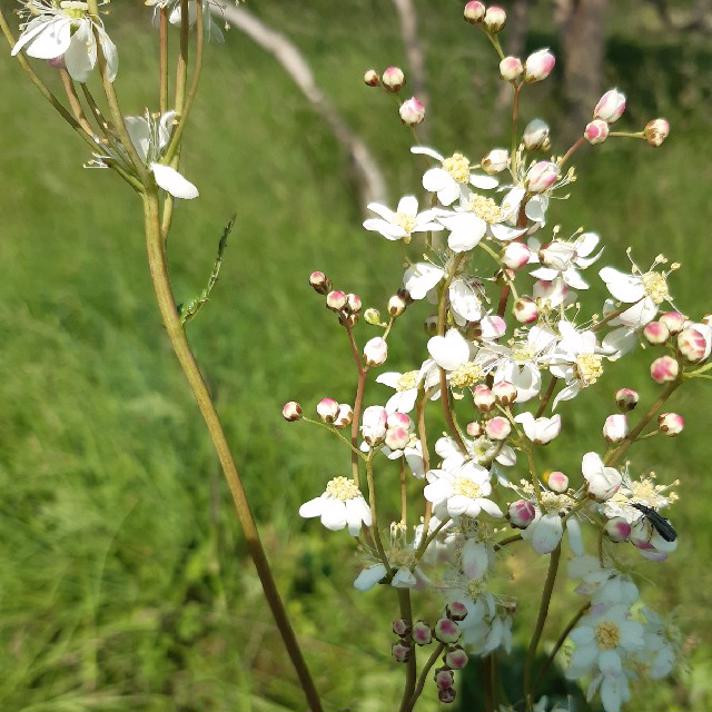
461 492
561 260
341 505
451 179
645 491
407 386
66 30
405 222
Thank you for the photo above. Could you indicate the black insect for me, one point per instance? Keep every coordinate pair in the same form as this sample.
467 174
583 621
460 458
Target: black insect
662 525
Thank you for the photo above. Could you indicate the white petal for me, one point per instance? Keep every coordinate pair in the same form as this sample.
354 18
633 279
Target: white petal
140 135
173 182
80 57
333 514
449 351
408 205
369 577
111 55
624 287
425 151
420 278
475 559
51 40
466 230
435 179
404 578
483 182
573 529
312 508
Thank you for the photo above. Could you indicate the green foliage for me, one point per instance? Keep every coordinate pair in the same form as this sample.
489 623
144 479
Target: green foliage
124 583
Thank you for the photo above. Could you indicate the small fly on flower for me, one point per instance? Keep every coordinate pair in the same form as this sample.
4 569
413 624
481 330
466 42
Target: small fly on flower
662 526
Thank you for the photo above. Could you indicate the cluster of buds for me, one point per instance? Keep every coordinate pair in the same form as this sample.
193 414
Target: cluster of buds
346 304
491 18
332 412
411 111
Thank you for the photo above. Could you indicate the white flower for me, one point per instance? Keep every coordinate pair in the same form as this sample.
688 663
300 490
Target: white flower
420 278
404 222
65 29
657 657
462 492
453 353
407 386
562 260
644 491
451 179
602 585
603 482
539 430
341 505
465 302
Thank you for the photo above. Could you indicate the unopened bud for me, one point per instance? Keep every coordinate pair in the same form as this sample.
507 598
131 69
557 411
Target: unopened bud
511 68
618 529
456 611
516 255
412 112
475 11
327 409
397 438
505 392
447 631
596 131
664 369
536 135
615 429
345 416
525 310
320 282
557 482
692 344
674 321
495 17
374 424
375 352
353 303
521 513
610 106
498 428
446 696
336 300
431 325
474 429
422 633
656 131
495 161
292 411
393 78
484 398
372 316
371 78
627 398
401 627
671 423
655 332
444 678
401 651
396 305
541 176
539 65
456 658
348 319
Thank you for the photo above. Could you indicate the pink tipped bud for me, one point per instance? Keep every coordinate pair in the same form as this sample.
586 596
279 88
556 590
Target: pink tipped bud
627 398
456 658
336 300
474 429
422 633
374 424
610 106
692 344
412 112
498 428
671 423
541 176
539 65
596 131
495 17
516 255
537 135
292 411
401 627
511 68
557 482
456 611
371 78
615 429
446 696
397 438
327 409
396 305
399 420
505 392
393 78
525 310
521 513
353 303
495 161
475 11
401 651
345 416
674 321
618 529
656 131
444 678
320 282
655 332
484 398
375 351
664 369
447 631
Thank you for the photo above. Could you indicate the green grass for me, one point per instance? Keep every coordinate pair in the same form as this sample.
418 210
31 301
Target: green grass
124 583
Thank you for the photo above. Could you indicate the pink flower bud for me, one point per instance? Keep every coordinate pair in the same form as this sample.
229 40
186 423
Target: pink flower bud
401 627
371 78
557 482
396 305
656 131
422 633
610 106
671 423
474 11
505 392
596 131
484 398
344 417
456 658
539 65
447 631
495 161
353 303
320 282
498 428
444 678
327 409
664 369
292 411
412 112
374 424
618 529
536 135
521 513
336 300
456 611
511 68
397 438
446 696
627 398
655 332
474 429
525 310
674 321
615 428
516 255
401 651
692 344
541 176
399 420
393 78
375 351
495 17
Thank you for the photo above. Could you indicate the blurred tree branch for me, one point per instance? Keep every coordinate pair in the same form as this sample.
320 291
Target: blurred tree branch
700 19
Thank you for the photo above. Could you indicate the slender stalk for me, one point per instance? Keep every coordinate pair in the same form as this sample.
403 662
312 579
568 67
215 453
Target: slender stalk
163 60
515 119
544 402
423 677
183 57
358 403
371 482
176 334
506 541
74 103
404 492
411 668
423 437
541 620
575 147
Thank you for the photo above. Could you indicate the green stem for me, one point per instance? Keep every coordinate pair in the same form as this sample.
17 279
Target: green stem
371 482
163 61
411 669
423 677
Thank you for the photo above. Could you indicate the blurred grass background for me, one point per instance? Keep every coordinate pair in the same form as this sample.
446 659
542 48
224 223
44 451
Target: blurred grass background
124 583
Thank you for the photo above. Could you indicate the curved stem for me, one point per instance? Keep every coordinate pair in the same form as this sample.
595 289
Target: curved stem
423 677
370 479
546 397
176 334
575 147
358 403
